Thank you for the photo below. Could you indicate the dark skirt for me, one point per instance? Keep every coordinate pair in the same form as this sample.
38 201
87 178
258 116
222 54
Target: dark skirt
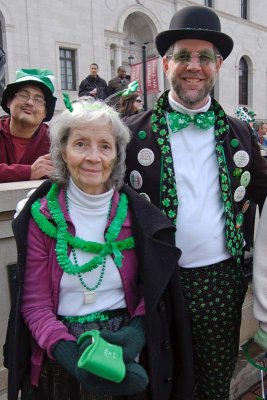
57 384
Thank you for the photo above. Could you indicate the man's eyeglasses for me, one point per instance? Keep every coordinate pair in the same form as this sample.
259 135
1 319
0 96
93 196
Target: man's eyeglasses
23 97
138 100
205 57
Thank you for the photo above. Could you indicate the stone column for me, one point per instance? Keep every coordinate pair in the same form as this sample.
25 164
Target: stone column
108 66
117 57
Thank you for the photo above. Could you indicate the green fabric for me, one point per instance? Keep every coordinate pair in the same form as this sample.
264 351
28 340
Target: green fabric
43 76
168 192
131 338
261 338
203 121
66 353
101 358
135 381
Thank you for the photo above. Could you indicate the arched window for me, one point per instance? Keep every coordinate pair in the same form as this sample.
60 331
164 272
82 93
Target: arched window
243 81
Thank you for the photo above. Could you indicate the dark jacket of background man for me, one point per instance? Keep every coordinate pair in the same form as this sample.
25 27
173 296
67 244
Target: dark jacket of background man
93 85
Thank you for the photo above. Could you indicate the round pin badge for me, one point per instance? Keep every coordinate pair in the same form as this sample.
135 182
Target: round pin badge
142 135
145 196
237 172
241 158
239 220
136 179
239 193
145 157
245 179
245 206
234 142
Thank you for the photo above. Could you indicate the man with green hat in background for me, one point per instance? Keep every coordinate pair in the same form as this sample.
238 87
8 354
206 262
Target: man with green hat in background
24 137
201 167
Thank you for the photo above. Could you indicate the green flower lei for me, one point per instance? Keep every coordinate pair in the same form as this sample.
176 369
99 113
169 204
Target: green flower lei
59 231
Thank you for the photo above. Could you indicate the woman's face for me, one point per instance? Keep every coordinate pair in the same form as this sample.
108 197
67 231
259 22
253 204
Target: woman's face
137 104
90 155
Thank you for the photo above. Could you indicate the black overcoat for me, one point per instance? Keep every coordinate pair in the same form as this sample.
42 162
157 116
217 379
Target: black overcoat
149 177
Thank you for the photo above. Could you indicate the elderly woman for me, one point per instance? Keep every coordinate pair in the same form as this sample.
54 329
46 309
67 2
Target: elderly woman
130 105
99 263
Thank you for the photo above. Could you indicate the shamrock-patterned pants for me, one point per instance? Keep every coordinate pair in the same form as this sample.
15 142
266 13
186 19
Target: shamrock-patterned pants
214 296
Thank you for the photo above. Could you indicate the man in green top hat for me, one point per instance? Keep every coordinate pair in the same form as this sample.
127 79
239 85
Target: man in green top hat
24 137
201 167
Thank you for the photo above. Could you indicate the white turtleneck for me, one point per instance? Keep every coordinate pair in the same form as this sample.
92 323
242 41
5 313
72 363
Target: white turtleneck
200 218
89 215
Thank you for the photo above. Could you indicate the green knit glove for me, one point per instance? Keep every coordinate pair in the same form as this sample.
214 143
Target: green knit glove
135 381
261 338
66 354
131 338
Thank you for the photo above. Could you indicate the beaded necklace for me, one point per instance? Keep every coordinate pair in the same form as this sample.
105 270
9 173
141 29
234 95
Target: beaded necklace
89 294
58 230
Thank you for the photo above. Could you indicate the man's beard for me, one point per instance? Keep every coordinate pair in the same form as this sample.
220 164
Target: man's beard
189 99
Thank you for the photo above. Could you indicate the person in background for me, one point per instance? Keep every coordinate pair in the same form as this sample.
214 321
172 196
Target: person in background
261 130
252 115
130 105
93 85
117 84
260 279
95 253
24 137
201 167
2 72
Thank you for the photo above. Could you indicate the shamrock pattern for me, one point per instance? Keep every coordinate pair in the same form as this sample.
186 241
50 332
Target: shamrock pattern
178 121
169 200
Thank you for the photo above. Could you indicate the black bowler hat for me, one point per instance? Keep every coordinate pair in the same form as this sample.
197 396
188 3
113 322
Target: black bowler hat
195 22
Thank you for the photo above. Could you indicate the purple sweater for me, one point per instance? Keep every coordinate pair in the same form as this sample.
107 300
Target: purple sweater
42 282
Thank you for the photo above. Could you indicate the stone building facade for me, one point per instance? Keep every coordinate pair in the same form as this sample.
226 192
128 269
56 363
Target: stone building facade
66 36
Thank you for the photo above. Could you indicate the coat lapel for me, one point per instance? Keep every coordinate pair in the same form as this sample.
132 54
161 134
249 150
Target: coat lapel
152 231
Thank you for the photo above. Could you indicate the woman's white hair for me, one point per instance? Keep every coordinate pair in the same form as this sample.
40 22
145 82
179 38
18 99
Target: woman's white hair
86 110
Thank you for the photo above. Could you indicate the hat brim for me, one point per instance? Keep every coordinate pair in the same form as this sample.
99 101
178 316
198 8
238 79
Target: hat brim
12 88
220 40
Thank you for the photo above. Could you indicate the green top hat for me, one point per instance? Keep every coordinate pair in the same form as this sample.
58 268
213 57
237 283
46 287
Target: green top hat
43 78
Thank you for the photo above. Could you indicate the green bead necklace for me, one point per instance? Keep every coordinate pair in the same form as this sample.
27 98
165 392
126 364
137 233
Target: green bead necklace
59 231
89 296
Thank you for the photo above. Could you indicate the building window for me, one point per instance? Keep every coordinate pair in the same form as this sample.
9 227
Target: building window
209 3
67 69
244 9
243 81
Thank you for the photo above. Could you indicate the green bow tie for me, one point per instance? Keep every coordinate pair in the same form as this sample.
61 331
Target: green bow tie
178 121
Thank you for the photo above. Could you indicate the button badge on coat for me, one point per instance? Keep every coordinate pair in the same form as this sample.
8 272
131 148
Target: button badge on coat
241 158
239 193
245 206
145 196
145 157
239 220
136 179
245 179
